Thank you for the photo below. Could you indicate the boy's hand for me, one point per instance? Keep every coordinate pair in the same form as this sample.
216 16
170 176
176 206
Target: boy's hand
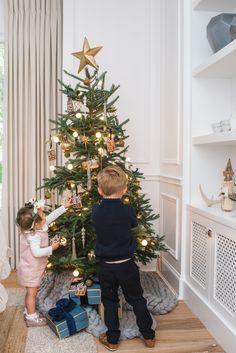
55 244
68 203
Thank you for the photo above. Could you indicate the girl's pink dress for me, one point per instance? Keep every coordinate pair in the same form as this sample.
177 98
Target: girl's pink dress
31 268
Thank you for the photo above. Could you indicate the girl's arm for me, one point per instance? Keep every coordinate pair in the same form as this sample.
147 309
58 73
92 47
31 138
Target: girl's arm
37 251
55 214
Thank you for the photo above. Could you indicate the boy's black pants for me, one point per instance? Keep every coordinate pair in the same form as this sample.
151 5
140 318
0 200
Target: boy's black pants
126 275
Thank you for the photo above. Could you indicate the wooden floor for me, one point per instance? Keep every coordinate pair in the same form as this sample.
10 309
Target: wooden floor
177 332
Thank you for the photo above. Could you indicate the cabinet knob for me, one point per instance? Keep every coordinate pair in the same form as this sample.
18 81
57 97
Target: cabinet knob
209 233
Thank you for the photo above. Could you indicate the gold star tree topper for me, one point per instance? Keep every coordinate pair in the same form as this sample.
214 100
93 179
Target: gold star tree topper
86 56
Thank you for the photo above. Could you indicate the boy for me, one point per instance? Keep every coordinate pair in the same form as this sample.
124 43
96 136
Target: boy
115 246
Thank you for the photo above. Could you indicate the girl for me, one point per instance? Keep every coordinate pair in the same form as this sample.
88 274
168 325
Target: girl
34 251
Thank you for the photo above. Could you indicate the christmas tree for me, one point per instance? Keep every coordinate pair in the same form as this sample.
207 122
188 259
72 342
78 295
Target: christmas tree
91 138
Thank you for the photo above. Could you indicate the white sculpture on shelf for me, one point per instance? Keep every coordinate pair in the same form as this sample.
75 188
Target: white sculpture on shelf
4 268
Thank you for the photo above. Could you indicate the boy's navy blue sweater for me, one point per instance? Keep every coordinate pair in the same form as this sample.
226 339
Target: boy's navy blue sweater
113 221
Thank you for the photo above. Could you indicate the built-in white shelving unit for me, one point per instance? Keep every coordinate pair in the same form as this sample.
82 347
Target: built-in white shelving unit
211 232
223 138
220 65
214 5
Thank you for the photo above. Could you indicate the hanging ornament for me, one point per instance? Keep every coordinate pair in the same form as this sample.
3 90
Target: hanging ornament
91 255
73 105
126 200
63 241
92 163
84 109
83 237
86 81
51 152
70 107
81 289
73 253
76 200
105 111
48 194
89 181
65 145
85 140
110 142
53 226
89 282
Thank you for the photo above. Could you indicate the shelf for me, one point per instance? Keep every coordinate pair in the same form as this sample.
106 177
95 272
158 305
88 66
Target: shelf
220 64
214 5
224 138
215 213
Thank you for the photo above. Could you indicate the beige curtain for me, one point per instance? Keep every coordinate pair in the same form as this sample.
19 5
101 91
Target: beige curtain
33 64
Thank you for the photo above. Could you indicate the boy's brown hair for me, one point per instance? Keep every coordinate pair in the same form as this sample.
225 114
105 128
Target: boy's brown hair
112 180
25 219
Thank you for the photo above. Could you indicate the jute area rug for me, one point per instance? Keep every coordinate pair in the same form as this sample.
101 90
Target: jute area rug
43 340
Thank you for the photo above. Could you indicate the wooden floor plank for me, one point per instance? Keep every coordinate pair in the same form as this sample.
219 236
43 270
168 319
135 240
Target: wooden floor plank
13 331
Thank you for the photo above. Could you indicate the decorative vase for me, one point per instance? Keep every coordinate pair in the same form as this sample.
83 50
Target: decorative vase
219 30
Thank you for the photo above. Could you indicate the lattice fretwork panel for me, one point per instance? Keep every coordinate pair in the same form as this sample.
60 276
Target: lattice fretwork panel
225 277
199 253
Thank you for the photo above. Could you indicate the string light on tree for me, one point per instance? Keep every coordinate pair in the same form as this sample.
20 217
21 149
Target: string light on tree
75 134
52 168
70 166
56 139
76 273
144 242
98 135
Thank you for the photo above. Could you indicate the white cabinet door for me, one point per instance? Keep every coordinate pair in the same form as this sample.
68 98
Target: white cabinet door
200 233
223 286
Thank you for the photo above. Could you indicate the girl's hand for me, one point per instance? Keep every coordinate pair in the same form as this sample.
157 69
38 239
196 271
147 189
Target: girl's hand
68 203
55 244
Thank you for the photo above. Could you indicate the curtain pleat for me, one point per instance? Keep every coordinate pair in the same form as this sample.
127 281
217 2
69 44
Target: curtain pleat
33 65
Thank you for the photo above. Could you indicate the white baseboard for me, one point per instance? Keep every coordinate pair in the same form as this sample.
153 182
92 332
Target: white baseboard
214 322
170 276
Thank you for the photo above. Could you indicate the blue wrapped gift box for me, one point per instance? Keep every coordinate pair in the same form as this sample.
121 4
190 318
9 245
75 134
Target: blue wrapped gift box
61 329
92 295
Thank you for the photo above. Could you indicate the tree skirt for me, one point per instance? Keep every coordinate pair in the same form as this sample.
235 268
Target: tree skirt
160 300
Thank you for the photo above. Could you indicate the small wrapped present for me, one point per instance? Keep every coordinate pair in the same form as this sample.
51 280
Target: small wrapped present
92 294
67 318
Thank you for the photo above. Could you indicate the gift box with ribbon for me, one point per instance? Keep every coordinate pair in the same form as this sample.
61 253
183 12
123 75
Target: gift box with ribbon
84 295
66 318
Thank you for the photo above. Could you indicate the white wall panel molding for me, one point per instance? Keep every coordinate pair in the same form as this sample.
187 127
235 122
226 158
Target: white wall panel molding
170 180
170 222
171 81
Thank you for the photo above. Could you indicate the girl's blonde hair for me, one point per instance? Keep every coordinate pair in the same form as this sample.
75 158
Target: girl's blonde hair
112 180
25 219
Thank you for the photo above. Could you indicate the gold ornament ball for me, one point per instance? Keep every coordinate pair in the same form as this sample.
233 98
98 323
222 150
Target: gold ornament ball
120 143
53 226
48 195
126 200
65 146
88 282
86 81
67 154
